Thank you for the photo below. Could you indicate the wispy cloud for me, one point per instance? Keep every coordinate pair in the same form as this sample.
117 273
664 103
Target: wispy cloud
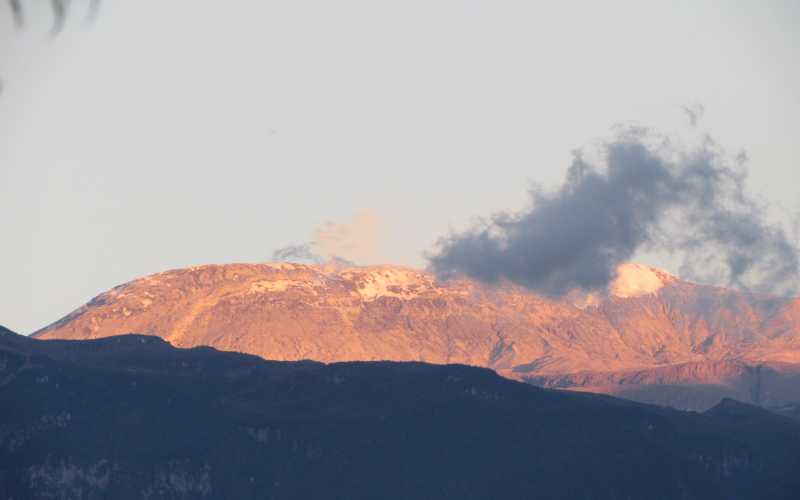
357 241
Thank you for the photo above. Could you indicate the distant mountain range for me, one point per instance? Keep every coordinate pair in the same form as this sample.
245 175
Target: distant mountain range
650 337
131 417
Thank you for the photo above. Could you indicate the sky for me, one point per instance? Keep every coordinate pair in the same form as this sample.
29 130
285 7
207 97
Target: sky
171 134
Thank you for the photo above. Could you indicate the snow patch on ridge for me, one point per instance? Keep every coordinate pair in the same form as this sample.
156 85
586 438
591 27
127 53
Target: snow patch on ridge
284 266
271 286
634 280
389 282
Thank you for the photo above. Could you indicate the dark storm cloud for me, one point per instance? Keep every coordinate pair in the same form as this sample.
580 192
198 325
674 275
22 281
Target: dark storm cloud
647 198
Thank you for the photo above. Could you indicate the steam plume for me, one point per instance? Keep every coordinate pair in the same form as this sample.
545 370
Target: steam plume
694 113
649 196
357 241
296 253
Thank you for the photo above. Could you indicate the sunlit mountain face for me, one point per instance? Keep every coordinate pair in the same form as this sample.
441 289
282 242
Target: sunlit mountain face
650 336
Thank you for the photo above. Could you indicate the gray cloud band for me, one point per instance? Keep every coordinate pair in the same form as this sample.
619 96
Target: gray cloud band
693 205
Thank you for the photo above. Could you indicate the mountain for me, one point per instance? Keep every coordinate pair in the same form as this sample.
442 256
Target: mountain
131 417
685 344
696 386
788 409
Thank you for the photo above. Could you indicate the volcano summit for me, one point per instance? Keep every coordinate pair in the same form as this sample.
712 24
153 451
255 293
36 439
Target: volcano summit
693 343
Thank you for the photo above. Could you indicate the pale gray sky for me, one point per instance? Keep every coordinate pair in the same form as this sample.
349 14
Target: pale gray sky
178 133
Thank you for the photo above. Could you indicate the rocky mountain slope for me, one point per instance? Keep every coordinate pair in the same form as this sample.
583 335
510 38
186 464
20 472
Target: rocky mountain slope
694 386
647 320
133 417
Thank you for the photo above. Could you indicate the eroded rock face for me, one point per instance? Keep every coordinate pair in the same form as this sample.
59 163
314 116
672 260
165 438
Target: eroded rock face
647 319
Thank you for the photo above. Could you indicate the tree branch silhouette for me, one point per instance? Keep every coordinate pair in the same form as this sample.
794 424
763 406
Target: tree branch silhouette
60 9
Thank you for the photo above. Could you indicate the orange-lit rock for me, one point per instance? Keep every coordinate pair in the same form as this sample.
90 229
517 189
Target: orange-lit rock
647 319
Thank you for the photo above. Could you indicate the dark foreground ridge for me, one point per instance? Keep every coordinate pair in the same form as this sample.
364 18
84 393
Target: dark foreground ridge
131 417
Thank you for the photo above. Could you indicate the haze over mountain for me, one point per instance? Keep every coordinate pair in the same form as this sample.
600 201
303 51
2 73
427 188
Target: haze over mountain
650 336
132 417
